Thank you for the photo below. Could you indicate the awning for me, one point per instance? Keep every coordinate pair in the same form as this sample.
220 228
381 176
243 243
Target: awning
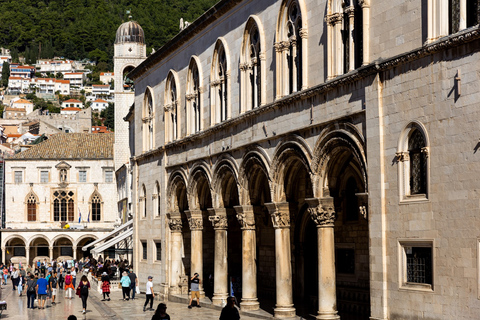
114 232
112 242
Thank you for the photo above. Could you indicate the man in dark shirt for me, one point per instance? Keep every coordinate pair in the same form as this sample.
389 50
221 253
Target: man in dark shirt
133 282
195 290
230 312
53 283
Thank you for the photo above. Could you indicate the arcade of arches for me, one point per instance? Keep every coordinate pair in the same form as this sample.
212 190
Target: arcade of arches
289 234
30 248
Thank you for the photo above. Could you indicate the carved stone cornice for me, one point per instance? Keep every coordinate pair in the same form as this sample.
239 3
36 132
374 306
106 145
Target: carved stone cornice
219 222
245 217
175 224
280 214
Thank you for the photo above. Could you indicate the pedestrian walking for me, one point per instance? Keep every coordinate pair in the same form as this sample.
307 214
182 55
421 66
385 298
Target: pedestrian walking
30 289
106 286
161 312
195 290
69 288
230 312
149 293
5 275
74 275
14 277
42 286
84 286
125 281
53 284
133 282
20 286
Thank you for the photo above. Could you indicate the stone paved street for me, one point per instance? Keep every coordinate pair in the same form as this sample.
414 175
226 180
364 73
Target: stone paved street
97 309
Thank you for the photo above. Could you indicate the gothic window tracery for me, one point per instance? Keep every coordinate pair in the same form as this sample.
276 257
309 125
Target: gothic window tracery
418 163
32 207
171 106
148 118
251 67
220 84
193 98
63 205
96 207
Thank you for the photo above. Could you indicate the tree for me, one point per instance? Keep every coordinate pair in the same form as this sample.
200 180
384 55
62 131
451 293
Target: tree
110 116
5 74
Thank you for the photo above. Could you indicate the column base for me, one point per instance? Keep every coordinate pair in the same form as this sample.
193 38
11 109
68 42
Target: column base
249 304
219 299
332 315
284 312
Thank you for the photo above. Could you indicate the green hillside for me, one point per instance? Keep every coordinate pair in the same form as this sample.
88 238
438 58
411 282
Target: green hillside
77 29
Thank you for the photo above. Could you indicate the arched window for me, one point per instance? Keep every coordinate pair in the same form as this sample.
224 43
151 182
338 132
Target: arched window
252 67
63 205
143 202
194 98
345 36
412 157
147 120
171 107
32 207
156 201
291 50
96 206
220 82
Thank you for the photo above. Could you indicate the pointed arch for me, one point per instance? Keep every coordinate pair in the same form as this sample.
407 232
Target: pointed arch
253 65
96 206
194 96
199 187
172 107
413 159
291 155
225 181
220 83
31 201
291 47
148 120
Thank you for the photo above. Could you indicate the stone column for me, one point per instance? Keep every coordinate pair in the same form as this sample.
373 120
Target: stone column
322 212
175 225
246 218
195 221
304 38
365 4
280 215
75 252
50 249
27 255
220 286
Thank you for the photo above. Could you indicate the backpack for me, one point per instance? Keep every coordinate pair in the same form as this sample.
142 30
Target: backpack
68 280
31 285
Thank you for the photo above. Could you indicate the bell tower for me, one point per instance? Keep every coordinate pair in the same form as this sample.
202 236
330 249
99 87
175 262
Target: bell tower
130 51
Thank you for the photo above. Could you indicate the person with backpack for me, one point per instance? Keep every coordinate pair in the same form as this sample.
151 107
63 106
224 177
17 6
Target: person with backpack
83 288
69 288
53 284
30 289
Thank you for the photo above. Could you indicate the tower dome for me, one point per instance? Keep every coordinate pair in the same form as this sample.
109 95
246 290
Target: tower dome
129 32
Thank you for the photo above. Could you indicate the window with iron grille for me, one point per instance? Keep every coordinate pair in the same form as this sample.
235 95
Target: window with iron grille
144 249
418 163
419 265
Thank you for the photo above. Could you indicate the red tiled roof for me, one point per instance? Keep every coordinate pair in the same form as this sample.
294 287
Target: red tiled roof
23 101
100 101
72 101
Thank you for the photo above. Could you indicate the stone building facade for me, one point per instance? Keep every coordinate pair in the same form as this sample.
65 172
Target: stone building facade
67 179
317 156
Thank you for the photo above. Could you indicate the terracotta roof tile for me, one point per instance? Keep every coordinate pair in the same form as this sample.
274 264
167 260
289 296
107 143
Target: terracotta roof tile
72 146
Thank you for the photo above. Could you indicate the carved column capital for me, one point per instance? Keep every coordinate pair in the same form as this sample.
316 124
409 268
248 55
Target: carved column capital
280 214
175 224
402 156
245 217
303 33
322 211
364 3
333 19
219 222
425 151
350 11
243 66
